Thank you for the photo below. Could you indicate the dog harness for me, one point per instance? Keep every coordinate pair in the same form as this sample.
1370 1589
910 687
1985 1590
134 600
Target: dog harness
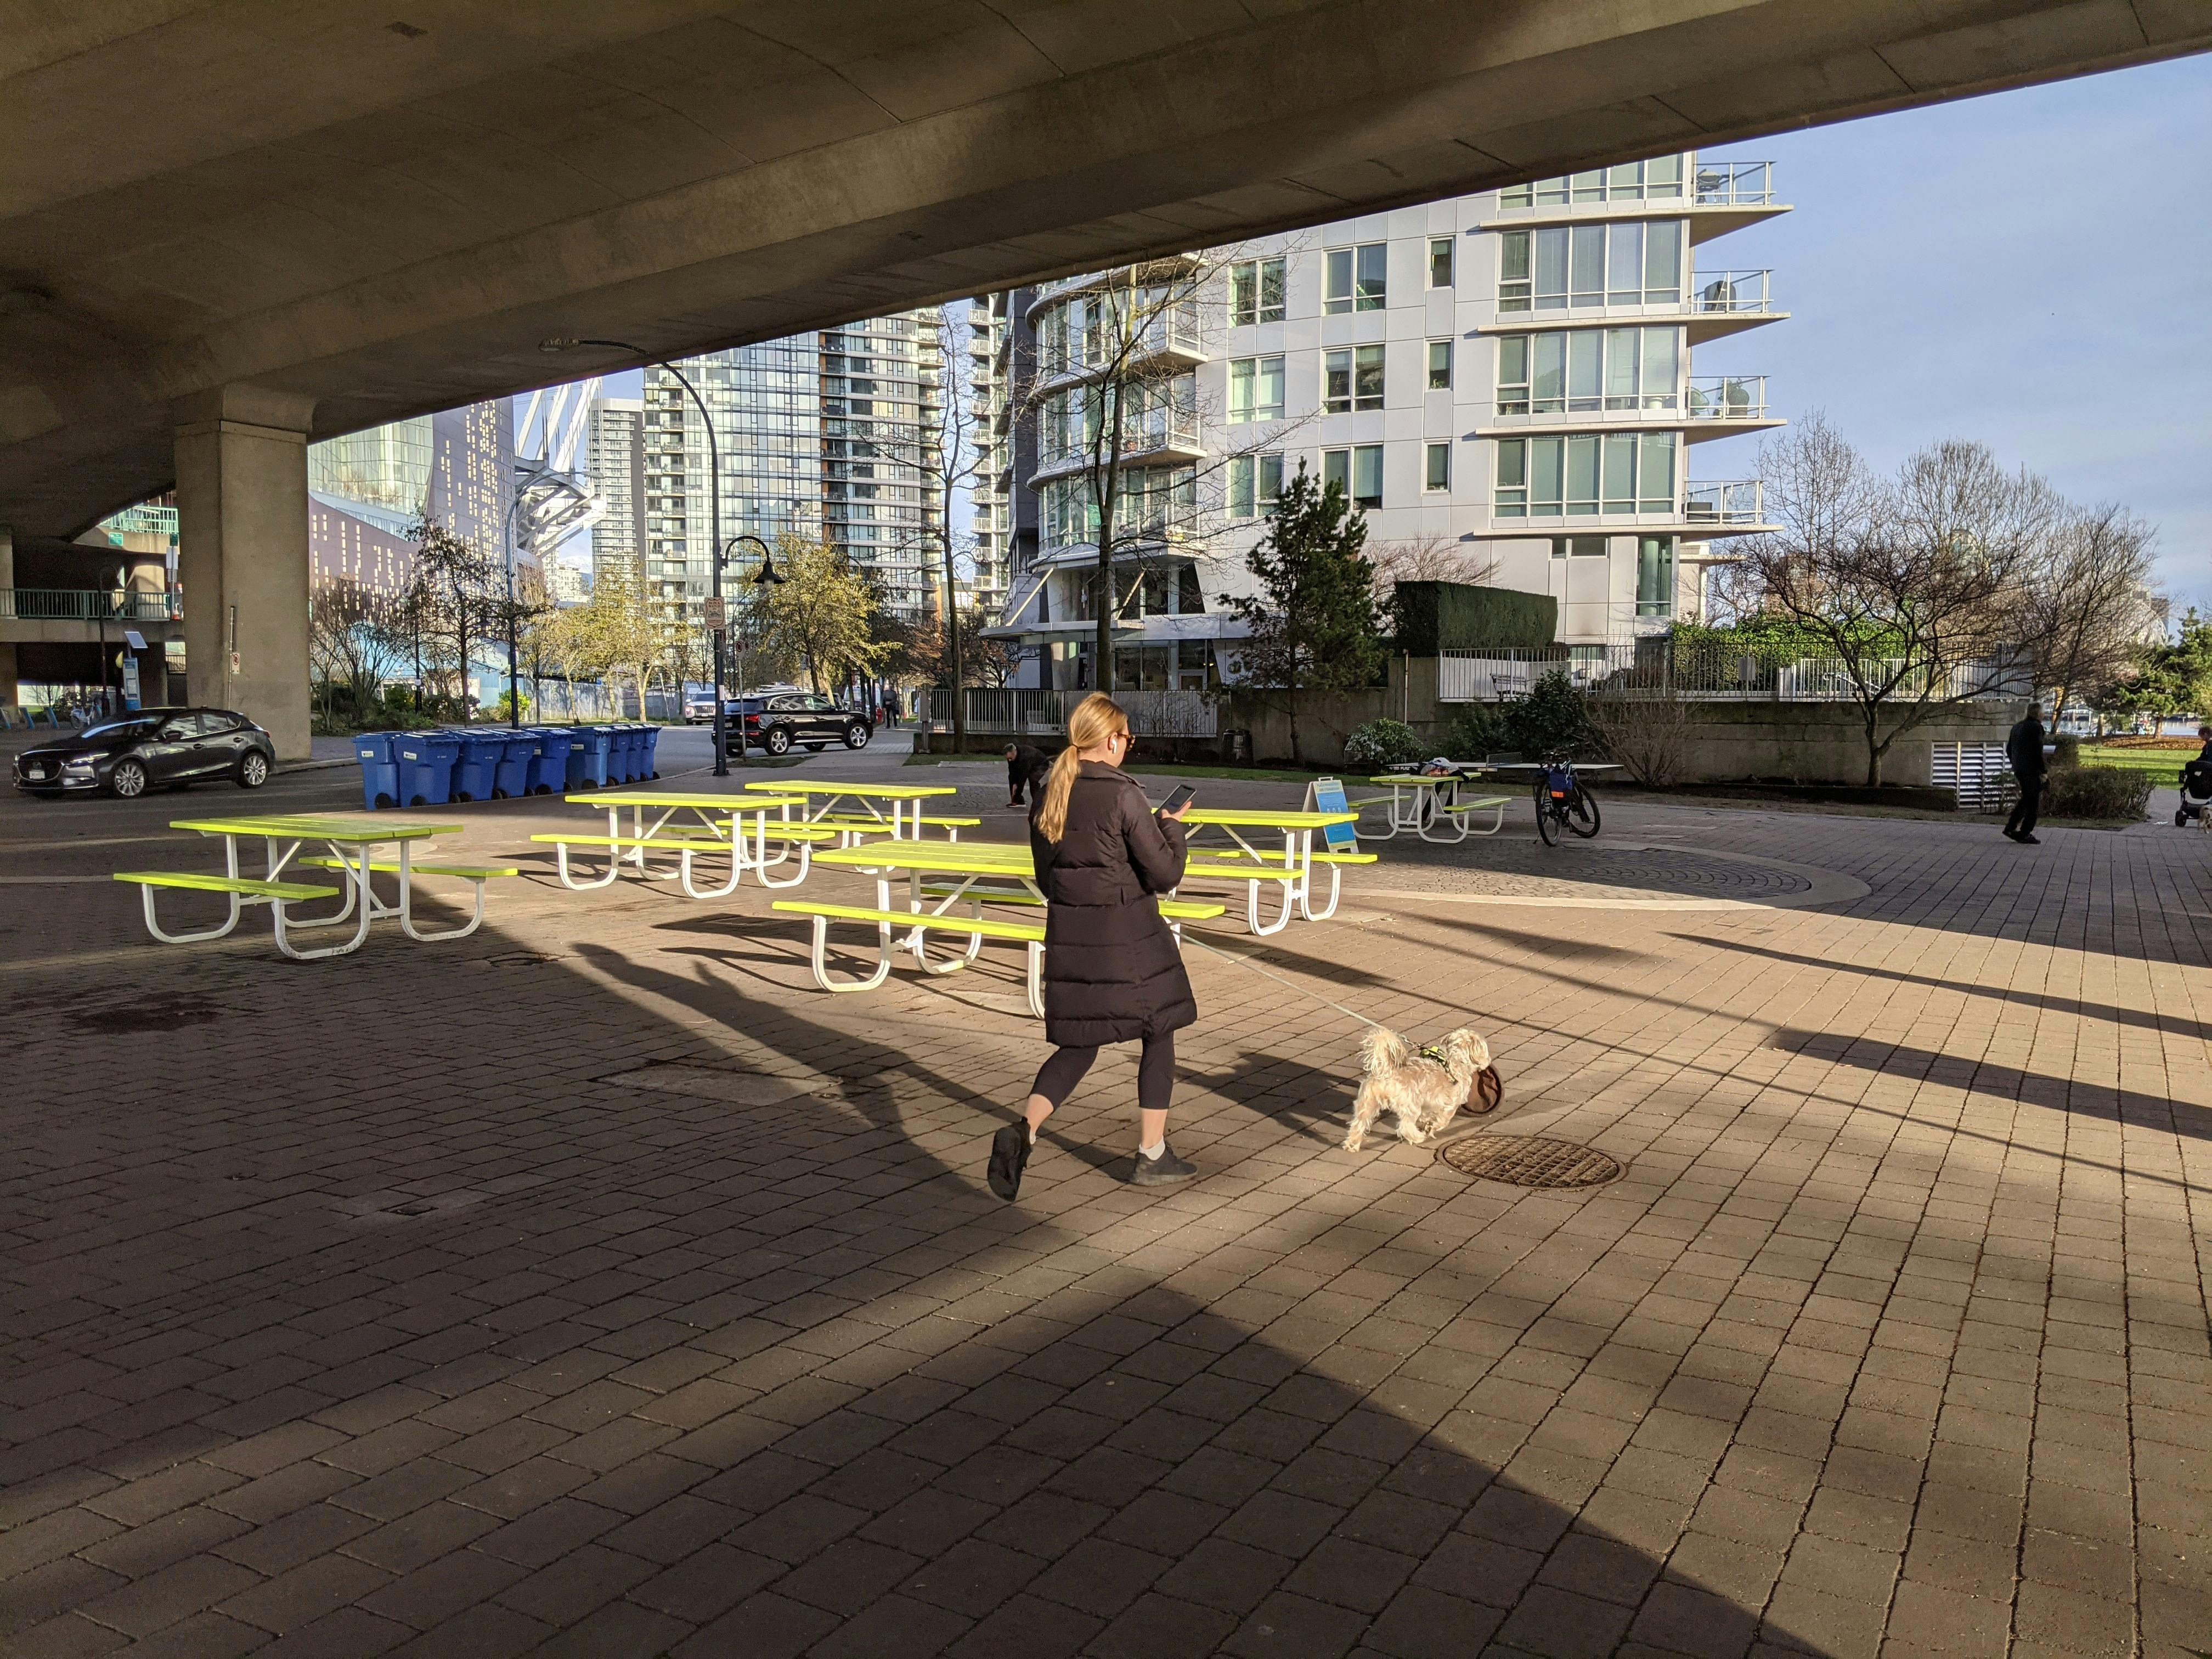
1434 1051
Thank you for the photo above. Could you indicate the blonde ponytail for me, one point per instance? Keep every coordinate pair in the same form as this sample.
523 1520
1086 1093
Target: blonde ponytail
1095 719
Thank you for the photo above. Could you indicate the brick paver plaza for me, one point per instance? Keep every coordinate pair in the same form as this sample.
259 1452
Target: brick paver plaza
596 1285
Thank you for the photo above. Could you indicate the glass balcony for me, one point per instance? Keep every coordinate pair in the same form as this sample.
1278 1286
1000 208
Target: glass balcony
1731 293
1737 502
1158 432
1727 398
1733 183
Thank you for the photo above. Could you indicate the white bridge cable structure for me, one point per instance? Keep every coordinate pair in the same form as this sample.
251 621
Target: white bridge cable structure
553 501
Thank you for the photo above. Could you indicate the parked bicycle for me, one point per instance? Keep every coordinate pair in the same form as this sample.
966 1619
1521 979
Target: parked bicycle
1562 800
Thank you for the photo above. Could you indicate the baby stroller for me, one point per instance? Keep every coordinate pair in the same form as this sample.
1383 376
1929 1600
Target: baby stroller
2196 796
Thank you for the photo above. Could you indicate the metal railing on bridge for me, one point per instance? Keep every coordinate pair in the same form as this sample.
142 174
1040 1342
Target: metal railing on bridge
1044 714
87 604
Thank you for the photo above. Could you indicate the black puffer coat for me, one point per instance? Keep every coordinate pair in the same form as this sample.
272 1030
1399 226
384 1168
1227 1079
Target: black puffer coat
1112 970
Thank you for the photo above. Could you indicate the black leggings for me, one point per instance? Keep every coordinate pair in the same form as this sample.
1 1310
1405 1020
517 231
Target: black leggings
1057 1078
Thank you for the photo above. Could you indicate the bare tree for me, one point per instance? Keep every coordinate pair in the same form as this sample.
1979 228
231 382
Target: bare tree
351 644
2094 603
458 603
1113 392
1432 558
1915 589
1648 736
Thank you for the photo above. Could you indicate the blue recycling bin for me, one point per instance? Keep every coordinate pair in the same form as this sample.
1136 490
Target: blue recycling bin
587 757
549 768
652 765
476 775
379 775
622 766
425 761
518 751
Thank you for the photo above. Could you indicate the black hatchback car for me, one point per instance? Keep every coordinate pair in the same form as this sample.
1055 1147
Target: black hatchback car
167 748
775 723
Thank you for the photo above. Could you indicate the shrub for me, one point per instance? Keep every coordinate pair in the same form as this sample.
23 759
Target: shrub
1479 733
1552 719
2098 791
1648 735
1382 743
2065 753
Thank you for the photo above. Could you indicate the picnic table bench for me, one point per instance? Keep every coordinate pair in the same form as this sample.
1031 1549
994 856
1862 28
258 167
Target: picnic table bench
351 843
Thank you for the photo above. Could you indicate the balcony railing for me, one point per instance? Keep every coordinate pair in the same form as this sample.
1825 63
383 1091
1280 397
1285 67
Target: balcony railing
1174 333
1156 433
142 520
83 605
1733 183
1727 398
1731 292
1736 501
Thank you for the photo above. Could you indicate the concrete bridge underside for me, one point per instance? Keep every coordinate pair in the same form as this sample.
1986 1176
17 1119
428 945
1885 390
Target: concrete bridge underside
228 228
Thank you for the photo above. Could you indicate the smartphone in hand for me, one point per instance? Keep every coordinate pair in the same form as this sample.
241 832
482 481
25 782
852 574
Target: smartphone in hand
1179 797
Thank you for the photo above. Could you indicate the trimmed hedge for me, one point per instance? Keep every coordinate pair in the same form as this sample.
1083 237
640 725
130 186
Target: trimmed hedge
1433 617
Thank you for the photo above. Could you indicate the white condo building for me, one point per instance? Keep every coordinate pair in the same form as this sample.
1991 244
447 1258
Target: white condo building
1503 381
824 433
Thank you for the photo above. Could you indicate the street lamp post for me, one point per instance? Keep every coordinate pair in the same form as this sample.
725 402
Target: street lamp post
513 669
767 573
714 494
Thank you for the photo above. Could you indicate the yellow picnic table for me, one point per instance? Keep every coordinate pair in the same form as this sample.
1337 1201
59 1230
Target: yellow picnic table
1419 801
960 868
716 826
1290 869
868 800
352 842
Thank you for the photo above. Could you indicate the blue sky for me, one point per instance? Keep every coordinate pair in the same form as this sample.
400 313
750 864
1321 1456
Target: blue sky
2033 269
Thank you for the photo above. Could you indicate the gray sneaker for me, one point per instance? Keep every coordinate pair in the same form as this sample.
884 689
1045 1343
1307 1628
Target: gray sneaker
1162 1171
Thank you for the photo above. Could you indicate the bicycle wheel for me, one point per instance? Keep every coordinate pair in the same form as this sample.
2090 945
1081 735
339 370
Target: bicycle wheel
1546 825
1581 812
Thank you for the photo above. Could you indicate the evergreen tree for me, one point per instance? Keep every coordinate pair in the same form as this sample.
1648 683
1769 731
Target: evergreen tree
1313 622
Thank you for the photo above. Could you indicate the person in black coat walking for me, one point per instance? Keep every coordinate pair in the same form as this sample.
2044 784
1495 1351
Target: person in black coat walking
1025 773
1113 971
2024 749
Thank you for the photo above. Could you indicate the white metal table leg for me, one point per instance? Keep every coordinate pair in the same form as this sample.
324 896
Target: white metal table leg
154 926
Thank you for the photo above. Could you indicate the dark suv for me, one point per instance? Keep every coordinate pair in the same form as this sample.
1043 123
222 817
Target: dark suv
775 723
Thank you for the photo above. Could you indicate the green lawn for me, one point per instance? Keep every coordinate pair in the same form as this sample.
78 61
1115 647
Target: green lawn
2163 763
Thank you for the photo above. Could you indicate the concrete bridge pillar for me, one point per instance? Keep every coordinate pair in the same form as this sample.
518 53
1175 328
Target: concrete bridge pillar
242 557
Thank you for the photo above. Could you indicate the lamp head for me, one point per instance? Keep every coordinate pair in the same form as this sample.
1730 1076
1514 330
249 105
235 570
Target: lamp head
556 344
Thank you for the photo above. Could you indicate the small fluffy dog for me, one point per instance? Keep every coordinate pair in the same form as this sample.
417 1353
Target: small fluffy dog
1426 1087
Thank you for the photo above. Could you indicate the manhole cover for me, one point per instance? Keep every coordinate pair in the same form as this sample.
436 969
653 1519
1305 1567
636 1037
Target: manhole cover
1530 1161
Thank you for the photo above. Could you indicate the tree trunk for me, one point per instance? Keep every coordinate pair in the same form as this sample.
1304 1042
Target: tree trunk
953 650
1873 750
1297 757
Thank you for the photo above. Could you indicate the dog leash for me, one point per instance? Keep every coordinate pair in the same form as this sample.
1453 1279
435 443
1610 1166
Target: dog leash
1246 962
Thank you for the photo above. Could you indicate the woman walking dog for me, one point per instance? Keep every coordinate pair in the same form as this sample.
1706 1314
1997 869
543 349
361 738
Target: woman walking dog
1112 970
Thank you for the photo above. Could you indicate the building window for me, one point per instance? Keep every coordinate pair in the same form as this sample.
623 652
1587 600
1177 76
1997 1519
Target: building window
1359 470
1436 462
1584 369
1189 602
1255 291
1564 267
1578 547
1440 365
1586 473
1351 379
1440 262
1356 279
1658 179
1655 576
1255 484
1255 390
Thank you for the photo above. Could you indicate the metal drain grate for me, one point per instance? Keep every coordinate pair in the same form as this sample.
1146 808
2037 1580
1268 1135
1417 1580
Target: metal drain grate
1530 1161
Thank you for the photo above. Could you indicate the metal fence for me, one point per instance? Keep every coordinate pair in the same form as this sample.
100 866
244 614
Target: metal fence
86 604
1711 670
1044 714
